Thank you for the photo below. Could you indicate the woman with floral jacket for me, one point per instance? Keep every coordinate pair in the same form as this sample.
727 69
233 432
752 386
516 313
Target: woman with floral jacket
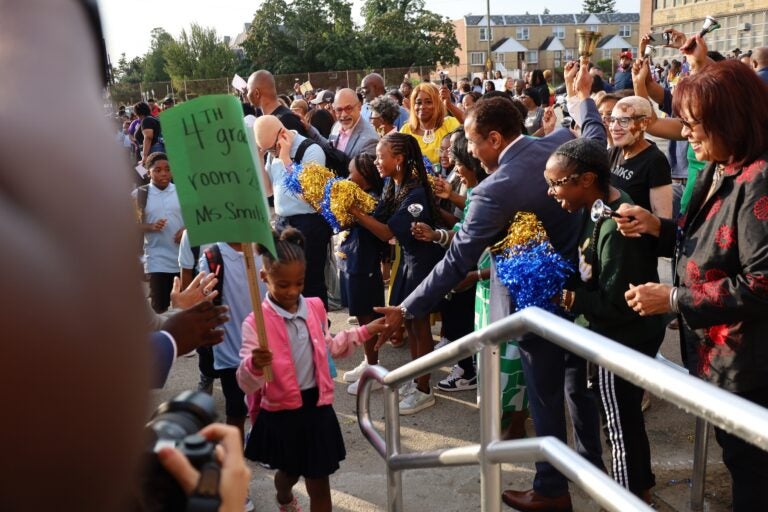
721 287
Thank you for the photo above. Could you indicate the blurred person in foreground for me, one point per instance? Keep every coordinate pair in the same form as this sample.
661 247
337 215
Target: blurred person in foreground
70 255
720 290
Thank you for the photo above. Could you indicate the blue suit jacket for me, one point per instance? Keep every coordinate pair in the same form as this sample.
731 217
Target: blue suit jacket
163 352
516 186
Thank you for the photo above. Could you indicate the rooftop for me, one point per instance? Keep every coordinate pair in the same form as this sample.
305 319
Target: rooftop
552 19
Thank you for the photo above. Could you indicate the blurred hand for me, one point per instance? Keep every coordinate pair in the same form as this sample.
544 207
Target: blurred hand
583 81
636 220
261 357
696 50
445 94
201 288
442 188
159 225
677 40
197 326
640 71
376 326
549 121
423 232
649 298
177 236
644 41
235 475
393 318
570 70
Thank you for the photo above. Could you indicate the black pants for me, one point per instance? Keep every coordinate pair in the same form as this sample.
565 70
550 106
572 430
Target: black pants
747 463
160 286
458 316
630 451
317 234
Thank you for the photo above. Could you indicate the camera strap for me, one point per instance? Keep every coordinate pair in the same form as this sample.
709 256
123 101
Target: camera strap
205 497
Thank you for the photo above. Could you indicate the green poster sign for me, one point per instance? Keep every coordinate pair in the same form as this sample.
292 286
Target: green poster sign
217 179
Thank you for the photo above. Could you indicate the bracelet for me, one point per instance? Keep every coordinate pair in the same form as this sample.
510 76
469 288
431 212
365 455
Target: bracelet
406 314
479 275
673 305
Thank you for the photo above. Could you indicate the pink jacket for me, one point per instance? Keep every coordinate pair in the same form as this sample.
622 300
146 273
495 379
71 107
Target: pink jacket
283 392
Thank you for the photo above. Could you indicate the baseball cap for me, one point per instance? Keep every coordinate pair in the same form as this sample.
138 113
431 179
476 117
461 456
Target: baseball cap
323 97
626 54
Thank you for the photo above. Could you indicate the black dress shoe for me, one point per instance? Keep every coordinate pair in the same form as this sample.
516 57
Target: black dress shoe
531 501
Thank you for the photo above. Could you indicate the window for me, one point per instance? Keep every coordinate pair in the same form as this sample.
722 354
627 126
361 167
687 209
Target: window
500 58
558 32
593 28
532 57
625 31
484 34
477 58
569 53
522 33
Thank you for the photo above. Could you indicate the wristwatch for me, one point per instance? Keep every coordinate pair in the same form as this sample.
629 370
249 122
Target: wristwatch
406 314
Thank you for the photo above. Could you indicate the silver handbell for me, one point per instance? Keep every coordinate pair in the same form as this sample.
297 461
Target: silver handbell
710 24
415 210
602 211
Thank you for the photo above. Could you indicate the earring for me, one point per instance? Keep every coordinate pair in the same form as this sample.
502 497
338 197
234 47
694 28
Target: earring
397 168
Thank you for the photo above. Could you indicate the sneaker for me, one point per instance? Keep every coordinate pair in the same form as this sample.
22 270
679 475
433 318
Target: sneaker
416 401
205 384
293 506
354 374
456 381
440 344
352 388
249 506
353 320
406 389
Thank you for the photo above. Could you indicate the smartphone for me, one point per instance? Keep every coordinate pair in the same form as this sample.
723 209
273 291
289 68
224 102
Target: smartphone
662 38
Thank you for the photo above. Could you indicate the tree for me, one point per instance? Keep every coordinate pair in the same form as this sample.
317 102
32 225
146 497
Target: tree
599 6
546 11
197 54
403 33
155 61
129 72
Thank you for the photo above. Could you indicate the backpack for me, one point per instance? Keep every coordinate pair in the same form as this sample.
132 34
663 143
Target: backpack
335 159
215 266
142 193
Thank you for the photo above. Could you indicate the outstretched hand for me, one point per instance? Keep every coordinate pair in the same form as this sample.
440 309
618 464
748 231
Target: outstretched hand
649 298
201 288
393 319
197 326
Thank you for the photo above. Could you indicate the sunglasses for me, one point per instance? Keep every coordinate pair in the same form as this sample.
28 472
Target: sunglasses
561 181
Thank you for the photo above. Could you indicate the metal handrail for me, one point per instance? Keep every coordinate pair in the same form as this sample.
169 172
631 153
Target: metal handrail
732 413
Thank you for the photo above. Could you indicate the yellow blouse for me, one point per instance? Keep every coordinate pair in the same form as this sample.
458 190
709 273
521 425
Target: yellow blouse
432 150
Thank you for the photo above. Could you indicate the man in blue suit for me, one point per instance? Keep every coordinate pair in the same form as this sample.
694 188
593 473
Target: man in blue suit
516 164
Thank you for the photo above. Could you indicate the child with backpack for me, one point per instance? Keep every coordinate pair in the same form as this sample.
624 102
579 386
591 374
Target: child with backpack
296 431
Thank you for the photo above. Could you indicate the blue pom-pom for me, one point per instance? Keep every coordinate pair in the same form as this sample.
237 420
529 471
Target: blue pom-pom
533 274
428 165
291 180
325 206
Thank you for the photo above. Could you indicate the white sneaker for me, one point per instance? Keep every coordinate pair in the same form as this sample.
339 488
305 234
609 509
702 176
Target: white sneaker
440 344
352 320
352 388
406 389
354 374
416 401
456 381
249 506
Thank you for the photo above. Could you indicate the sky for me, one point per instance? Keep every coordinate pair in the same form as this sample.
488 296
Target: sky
128 32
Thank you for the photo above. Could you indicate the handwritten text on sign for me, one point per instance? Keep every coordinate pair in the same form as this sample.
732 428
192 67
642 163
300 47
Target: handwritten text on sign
216 177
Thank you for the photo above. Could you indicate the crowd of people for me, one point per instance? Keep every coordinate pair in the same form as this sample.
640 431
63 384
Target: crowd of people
448 173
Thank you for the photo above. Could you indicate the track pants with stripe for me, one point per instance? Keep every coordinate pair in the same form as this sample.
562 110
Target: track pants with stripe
630 451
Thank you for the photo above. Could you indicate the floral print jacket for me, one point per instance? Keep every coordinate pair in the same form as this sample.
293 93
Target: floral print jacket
722 274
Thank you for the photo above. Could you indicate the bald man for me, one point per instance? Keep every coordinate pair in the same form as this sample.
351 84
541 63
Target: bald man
262 94
760 62
280 146
372 87
351 133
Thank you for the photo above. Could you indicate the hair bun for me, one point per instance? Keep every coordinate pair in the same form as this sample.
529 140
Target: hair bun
293 236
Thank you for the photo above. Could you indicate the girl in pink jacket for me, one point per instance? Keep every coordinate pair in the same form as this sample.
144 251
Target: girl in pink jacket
296 431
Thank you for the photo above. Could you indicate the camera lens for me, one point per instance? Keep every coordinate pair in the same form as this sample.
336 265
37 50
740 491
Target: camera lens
183 415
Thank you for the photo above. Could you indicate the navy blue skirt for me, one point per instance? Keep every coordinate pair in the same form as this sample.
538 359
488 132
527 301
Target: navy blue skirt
301 442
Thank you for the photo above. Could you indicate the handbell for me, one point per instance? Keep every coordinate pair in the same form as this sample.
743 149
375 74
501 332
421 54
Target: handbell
587 42
415 210
602 211
710 24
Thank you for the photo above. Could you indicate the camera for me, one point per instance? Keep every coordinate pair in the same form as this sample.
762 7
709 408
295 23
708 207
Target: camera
175 424
661 38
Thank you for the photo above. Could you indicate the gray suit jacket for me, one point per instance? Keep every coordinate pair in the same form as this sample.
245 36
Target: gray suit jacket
517 186
363 138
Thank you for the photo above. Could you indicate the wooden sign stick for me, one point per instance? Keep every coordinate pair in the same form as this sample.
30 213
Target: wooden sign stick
258 315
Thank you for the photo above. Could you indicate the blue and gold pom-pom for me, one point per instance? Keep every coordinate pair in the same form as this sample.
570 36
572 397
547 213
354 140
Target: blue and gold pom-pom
308 181
528 265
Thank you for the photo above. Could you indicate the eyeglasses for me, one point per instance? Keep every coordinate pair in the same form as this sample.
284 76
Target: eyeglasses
623 121
689 124
273 149
561 181
344 110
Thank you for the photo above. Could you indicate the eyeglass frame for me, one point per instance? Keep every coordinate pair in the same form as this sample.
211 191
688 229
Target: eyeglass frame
273 150
345 110
561 181
689 124
624 121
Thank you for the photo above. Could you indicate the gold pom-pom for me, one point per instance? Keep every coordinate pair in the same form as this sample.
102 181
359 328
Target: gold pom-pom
344 195
526 228
313 178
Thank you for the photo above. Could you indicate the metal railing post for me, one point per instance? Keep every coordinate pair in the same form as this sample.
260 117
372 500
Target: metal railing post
490 429
700 445
392 435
